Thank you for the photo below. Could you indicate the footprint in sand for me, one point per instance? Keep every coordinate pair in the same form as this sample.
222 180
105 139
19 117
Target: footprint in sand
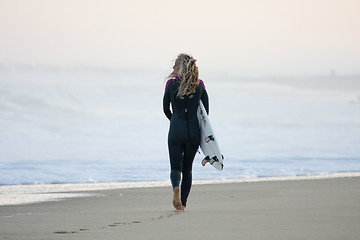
166 216
65 232
70 232
124 223
169 215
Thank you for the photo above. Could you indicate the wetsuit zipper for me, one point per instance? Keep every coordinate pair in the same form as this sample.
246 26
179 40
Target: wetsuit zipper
187 117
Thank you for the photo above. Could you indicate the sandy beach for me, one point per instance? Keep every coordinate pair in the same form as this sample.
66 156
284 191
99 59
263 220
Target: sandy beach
296 209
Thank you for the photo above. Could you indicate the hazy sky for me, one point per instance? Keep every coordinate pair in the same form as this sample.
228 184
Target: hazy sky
279 37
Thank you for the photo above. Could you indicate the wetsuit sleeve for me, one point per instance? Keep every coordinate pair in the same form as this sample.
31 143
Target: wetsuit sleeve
205 100
166 104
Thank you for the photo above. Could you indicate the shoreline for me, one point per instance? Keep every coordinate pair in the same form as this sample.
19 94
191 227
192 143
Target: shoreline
37 193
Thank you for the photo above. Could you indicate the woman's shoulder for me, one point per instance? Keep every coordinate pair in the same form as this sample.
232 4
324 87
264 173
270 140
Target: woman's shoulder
202 83
168 82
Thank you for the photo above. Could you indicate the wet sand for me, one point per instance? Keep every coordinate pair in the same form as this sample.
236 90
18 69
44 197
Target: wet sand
296 209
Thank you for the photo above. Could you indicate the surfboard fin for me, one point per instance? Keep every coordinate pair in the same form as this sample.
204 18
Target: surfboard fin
205 160
209 138
215 159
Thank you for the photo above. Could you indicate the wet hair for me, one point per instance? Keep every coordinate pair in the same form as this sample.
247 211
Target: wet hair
188 75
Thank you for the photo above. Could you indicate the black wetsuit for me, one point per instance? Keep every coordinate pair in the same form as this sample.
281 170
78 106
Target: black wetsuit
184 132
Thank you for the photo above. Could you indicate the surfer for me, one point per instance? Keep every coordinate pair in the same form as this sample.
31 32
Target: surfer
183 91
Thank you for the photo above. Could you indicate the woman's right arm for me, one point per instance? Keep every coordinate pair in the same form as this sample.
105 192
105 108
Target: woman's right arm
166 104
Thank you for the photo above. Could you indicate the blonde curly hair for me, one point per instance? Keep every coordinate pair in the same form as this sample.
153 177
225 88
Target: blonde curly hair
188 75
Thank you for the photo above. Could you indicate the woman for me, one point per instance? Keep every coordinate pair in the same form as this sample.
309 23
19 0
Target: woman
183 91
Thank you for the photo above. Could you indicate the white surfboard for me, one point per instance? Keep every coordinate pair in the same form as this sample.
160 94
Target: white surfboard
208 143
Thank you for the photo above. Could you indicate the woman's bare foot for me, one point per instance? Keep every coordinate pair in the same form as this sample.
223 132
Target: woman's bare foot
183 208
176 199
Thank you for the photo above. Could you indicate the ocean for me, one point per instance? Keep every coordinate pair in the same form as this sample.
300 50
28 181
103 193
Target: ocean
97 125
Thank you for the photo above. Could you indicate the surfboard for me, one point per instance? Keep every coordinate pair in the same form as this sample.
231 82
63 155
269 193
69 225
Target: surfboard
208 143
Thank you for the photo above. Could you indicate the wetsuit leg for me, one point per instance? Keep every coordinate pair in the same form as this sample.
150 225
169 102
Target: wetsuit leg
176 159
189 155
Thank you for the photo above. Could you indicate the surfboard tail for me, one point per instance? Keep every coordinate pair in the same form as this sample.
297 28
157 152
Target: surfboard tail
219 165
